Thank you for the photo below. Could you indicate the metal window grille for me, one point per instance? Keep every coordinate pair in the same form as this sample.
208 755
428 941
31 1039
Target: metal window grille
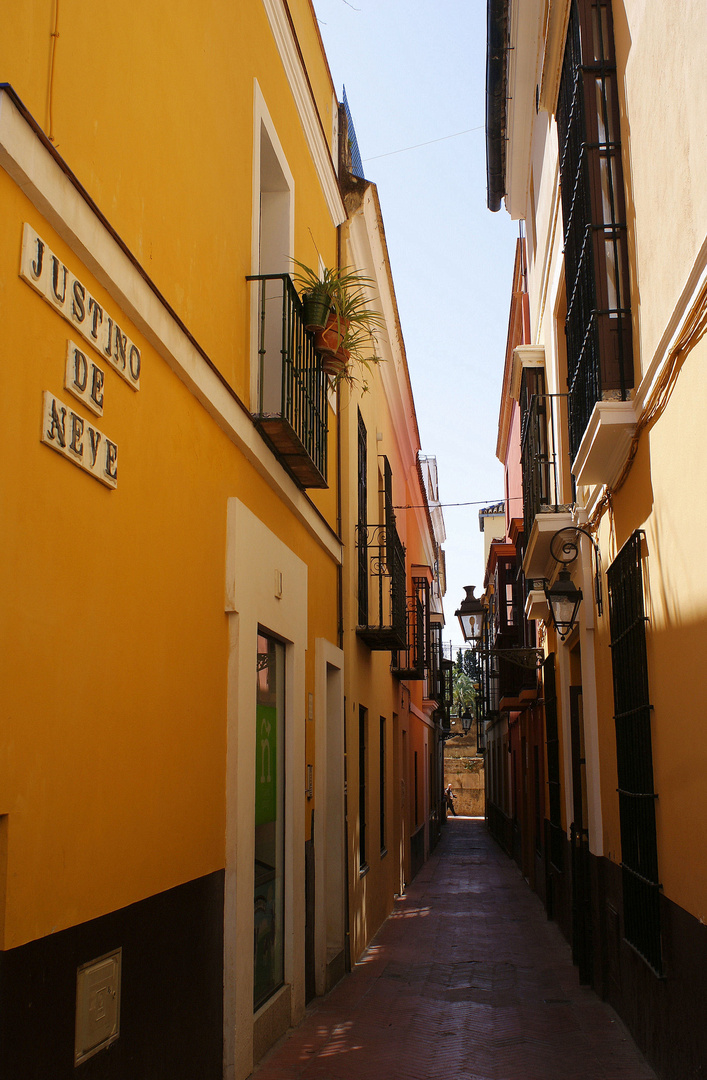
557 835
634 755
598 323
362 519
413 661
382 784
362 720
540 456
382 620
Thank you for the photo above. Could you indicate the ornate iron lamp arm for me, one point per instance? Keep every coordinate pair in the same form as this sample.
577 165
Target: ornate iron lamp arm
564 548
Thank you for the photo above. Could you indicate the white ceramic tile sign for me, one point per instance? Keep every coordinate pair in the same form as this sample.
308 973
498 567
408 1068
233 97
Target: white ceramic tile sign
79 441
84 379
46 273
63 429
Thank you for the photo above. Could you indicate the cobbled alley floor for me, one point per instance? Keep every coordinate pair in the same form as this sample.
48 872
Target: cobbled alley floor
466 980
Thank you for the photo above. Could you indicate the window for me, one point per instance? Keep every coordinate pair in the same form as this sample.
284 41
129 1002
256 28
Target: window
362 722
362 523
382 783
269 957
557 836
598 324
272 247
634 755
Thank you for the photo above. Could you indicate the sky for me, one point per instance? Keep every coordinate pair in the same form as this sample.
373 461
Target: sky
415 74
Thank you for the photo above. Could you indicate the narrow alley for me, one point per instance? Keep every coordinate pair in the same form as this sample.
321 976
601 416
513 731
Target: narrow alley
467 980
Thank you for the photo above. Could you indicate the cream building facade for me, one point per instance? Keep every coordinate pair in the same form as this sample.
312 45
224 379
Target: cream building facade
595 138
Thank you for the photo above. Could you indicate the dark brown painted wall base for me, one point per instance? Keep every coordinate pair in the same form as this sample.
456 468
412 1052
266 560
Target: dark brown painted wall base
666 1016
171 1025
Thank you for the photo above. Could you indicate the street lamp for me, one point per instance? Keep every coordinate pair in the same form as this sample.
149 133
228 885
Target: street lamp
564 599
466 721
470 614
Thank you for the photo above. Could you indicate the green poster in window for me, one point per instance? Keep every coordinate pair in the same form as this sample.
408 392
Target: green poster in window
266 764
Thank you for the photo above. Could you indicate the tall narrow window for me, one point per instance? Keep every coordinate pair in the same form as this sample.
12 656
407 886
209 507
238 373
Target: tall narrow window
269 960
382 782
557 836
634 755
273 240
362 523
417 805
598 324
362 722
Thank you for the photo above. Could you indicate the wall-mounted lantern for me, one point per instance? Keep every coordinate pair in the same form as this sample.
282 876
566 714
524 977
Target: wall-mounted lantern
470 614
564 597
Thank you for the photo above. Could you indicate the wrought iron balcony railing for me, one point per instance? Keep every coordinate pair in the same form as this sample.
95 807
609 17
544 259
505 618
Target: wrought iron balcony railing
481 735
598 323
413 661
540 457
382 609
292 389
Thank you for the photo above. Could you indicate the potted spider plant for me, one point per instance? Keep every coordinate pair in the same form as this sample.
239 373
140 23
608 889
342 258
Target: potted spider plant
337 311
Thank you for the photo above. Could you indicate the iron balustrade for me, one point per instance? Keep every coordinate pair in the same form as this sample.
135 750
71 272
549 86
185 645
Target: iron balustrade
413 661
481 735
382 557
634 754
554 785
292 408
598 322
540 457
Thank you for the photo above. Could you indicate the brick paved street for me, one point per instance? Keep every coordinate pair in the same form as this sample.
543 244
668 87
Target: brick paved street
467 980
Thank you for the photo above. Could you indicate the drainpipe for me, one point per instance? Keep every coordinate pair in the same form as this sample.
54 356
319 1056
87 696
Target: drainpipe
343 143
496 45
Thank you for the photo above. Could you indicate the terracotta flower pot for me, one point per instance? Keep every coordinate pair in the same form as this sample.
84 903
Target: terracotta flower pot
335 363
328 341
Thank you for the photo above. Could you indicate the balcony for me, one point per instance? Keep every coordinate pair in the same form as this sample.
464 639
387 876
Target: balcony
481 735
292 389
543 506
382 605
517 677
413 661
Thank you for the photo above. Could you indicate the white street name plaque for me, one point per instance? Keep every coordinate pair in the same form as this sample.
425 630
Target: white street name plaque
79 441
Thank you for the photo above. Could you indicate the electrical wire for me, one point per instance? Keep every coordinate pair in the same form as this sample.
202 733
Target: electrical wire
417 146
476 502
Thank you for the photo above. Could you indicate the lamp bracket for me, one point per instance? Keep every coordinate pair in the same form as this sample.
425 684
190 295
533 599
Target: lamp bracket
564 548
528 659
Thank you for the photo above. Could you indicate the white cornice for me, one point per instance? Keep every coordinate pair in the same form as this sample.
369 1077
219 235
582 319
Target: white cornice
553 53
58 197
524 60
309 118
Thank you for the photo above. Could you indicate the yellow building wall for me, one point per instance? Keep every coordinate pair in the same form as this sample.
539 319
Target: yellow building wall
114 638
155 117
660 65
661 498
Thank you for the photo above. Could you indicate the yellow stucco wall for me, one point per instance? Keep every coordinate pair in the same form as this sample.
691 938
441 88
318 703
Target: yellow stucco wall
660 66
155 117
114 637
